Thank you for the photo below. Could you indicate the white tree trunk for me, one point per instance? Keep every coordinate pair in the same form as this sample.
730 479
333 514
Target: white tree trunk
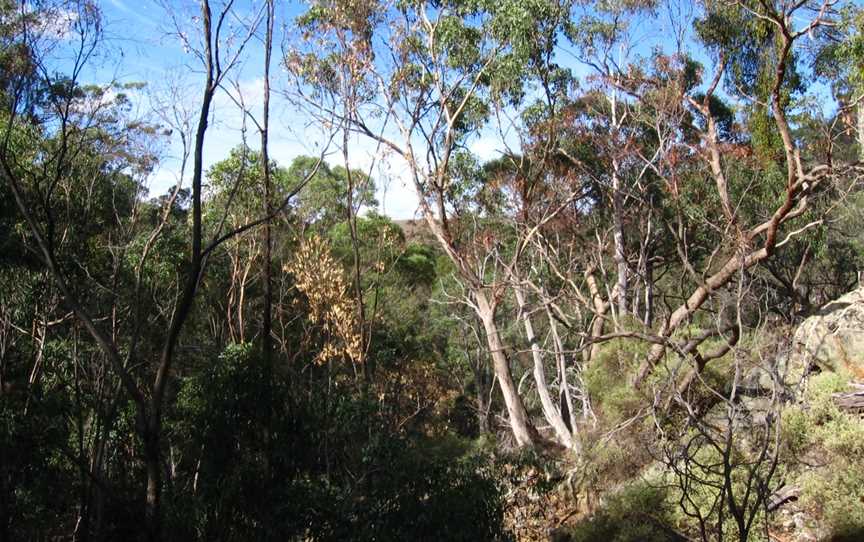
550 409
860 112
562 377
618 236
523 431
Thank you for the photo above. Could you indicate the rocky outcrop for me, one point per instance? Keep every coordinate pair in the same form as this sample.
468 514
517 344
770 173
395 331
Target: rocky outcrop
833 338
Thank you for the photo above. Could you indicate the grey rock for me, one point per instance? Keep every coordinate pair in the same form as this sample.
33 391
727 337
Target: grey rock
833 338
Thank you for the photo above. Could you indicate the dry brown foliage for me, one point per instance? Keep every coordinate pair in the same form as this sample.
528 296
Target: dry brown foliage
321 279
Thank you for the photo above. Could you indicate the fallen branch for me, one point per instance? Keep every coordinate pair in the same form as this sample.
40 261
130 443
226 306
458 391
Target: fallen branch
782 496
851 400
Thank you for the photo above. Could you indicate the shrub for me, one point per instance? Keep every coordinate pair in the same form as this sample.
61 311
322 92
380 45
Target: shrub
639 512
835 491
607 379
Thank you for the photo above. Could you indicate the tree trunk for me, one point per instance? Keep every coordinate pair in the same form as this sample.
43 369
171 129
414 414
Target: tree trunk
860 111
562 377
649 290
694 302
550 410
600 308
241 318
523 431
267 320
620 250
152 465
482 386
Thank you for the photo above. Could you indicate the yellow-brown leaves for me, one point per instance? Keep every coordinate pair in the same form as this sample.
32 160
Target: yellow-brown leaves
320 278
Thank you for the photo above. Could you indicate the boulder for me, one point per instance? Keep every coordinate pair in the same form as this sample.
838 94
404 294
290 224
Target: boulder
833 338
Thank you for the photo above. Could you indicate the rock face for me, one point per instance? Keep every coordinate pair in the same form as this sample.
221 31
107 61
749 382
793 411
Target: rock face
833 338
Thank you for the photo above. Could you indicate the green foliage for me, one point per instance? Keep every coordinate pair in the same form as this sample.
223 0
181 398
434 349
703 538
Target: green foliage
835 492
840 57
607 463
750 44
639 512
417 264
796 429
705 493
273 447
720 111
379 239
819 391
415 498
409 489
324 201
607 379
819 429
764 136
836 495
221 417
32 446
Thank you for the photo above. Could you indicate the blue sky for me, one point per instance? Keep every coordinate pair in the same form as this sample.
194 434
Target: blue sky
143 49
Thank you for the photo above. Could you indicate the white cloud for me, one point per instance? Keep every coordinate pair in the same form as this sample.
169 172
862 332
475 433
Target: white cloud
57 23
485 148
136 16
398 200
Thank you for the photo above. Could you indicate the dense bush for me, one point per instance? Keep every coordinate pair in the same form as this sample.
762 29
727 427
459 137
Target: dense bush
830 445
336 474
637 513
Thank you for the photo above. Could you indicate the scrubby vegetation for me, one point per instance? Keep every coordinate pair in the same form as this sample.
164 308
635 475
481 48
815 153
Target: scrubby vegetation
638 318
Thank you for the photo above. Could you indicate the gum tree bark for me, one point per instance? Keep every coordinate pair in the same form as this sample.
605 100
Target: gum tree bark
523 430
550 410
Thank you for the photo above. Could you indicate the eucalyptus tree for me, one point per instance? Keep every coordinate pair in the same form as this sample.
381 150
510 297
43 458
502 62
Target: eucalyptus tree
425 75
603 42
233 200
838 59
757 179
325 203
757 47
58 124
